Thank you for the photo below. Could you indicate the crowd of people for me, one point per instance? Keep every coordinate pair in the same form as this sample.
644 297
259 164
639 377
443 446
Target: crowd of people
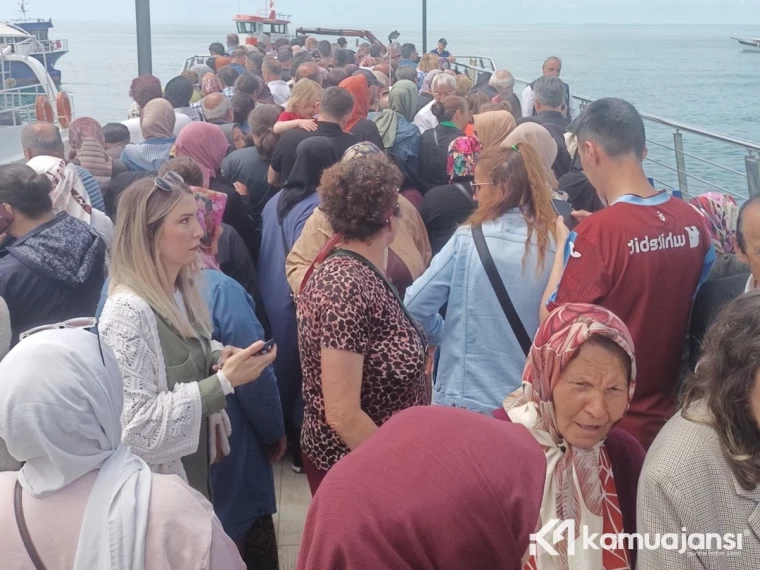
299 248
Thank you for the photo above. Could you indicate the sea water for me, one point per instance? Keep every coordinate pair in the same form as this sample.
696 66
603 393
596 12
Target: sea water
692 74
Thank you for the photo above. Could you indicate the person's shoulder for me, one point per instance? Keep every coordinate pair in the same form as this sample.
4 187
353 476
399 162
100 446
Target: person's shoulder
171 495
684 445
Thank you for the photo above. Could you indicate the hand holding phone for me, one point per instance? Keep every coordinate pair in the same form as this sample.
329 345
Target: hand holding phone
247 364
565 210
266 349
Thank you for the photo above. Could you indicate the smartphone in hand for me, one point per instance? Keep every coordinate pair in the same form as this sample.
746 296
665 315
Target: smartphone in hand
564 209
268 345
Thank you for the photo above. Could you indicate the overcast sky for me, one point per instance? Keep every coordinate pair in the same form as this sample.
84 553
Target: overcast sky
489 13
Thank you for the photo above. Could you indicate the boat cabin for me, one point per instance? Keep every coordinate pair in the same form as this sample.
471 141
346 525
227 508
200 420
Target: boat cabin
251 27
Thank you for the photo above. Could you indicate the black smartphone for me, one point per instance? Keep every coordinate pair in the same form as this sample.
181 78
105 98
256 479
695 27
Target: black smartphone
6 219
565 210
266 348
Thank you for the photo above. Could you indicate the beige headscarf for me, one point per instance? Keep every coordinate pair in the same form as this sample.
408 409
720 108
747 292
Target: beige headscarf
541 140
492 127
157 120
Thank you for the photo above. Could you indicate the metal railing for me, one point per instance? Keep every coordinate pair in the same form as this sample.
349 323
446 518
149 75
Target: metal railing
668 160
33 46
17 105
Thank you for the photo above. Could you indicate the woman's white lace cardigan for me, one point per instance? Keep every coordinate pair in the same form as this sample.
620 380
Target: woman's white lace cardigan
160 426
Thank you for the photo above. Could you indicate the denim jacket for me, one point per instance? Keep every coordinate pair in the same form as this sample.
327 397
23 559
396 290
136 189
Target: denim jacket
481 361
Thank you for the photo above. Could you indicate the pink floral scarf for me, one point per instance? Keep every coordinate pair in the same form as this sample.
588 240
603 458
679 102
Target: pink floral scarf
579 482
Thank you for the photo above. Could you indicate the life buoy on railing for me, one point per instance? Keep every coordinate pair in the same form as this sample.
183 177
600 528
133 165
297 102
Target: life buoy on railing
43 109
63 107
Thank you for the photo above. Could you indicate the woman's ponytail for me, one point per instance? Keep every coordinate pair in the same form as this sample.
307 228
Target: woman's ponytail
25 190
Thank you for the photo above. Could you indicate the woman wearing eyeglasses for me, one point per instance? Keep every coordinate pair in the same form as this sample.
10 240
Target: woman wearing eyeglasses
362 355
158 325
53 265
481 357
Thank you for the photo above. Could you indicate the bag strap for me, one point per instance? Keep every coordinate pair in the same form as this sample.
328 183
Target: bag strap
23 530
501 291
464 191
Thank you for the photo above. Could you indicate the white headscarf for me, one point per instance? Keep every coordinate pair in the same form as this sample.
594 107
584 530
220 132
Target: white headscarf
65 425
68 194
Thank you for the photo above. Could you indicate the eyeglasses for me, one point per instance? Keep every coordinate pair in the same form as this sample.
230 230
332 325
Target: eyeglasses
165 183
476 187
85 323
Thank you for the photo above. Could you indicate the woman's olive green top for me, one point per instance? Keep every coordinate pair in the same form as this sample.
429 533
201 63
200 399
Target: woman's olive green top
191 360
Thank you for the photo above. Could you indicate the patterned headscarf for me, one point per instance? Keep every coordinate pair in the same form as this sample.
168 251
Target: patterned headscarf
210 212
721 216
360 150
209 85
463 156
579 482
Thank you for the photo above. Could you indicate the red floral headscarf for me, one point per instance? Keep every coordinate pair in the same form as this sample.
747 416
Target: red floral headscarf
579 482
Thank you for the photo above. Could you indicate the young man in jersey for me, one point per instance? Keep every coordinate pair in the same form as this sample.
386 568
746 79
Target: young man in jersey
643 257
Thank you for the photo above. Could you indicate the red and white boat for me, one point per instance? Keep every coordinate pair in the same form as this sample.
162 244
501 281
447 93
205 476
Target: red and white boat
266 21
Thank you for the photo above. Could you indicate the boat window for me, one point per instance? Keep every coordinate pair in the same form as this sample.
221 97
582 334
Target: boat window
246 27
276 28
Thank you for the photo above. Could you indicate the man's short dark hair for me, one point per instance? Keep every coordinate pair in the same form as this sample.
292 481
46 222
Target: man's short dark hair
615 125
239 52
342 58
342 42
407 50
281 42
216 48
336 102
242 105
298 59
325 48
740 222
256 58
297 41
376 50
271 66
115 133
408 72
227 75
334 77
248 83
284 55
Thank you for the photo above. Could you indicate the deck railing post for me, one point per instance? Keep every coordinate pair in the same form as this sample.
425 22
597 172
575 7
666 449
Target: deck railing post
752 164
683 184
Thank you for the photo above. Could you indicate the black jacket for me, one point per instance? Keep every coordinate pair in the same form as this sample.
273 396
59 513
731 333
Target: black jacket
434 151
547 118
444 209
53 273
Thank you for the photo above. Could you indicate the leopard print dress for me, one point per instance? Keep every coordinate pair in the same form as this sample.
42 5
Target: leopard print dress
347 306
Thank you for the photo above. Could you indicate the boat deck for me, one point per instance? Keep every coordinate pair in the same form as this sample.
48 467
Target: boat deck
293 499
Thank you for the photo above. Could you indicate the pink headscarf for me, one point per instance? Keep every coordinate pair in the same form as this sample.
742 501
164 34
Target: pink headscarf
206 144
579 482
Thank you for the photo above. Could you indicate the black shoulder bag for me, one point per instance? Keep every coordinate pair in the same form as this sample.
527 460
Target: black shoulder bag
501 291
23 530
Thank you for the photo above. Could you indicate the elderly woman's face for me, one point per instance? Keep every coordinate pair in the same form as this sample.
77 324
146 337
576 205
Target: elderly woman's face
590 396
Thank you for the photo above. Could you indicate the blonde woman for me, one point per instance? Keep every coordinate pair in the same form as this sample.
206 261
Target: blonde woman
158 326
301 108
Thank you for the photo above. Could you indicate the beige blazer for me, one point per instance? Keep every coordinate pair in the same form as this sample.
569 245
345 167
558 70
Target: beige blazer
411 244
686 482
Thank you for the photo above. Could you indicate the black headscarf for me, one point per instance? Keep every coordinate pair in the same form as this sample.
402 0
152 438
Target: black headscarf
313 156
179 91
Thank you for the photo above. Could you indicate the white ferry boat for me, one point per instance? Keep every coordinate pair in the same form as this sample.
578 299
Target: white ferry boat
752 44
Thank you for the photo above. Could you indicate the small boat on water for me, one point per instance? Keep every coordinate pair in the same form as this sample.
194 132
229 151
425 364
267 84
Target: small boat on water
752 44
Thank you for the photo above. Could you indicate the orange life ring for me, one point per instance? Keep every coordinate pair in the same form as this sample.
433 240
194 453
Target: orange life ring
43 109
63 107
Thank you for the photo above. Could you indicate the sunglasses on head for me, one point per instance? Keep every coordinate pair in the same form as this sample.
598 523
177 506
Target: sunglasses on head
165 183
85 323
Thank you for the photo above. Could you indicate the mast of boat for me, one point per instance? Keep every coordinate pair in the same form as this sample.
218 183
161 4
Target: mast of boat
424 27
23 8
144 55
